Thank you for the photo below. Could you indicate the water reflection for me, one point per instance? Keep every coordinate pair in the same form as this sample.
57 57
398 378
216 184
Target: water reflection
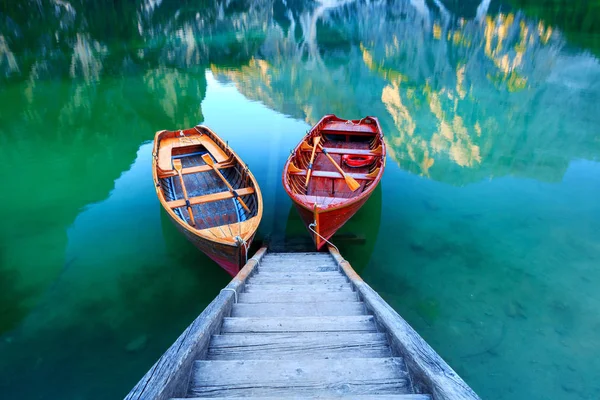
456 94
465 91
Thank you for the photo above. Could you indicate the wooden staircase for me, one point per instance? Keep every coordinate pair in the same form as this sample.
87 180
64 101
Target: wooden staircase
299 330
301 326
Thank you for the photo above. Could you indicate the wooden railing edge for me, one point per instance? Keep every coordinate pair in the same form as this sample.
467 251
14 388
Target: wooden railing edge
169 376
431 372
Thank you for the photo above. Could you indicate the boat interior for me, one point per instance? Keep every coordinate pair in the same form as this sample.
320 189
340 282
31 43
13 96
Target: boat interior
326 183
211 201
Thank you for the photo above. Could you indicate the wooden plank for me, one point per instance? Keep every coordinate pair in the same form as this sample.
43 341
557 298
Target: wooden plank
364 323
169 376
351 376
430 373
298 297
304 397
208 198
299 254
317 309
299 265
334 175
300 261
195 169
292 269
292 346
306 259
336 280
166 146
249 288
352 152
302 256
295 274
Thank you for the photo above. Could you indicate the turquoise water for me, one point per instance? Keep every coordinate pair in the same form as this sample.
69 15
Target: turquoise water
483 234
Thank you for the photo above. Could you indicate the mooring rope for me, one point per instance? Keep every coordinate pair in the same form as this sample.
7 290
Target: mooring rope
246 245
314 225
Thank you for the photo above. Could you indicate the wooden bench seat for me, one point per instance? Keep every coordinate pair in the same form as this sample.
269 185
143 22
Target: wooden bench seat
334 174
353 152
210 197
166 146
194 170
344 150
349 129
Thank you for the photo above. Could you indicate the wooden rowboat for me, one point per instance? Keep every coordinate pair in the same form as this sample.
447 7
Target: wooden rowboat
333 171
208 192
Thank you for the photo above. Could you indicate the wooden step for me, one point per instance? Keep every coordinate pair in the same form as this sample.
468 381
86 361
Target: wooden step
363 323
316 309
297 274
260 280
308 261
364 397
294 346
297 263
296 297
298 255
298 269
334 377
249 288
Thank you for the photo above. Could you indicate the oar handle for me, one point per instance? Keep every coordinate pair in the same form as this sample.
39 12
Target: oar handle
312 159
335 164
350 181
185 196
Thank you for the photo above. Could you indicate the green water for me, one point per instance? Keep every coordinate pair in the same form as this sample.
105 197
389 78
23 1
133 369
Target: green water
484 233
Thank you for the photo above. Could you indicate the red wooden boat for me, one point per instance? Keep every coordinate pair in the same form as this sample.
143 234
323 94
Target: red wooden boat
208 192
333 171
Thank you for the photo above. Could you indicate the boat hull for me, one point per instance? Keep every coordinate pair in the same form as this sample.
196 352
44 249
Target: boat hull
219 230
230 258
328 221
324 188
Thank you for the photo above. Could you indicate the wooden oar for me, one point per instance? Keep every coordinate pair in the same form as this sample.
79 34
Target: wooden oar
209 161
178 167
312 158
350 181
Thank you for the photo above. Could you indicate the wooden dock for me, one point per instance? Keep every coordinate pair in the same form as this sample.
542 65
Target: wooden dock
300 325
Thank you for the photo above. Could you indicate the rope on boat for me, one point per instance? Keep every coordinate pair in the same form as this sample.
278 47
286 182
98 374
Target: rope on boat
360 121
314 225
246 245
234 293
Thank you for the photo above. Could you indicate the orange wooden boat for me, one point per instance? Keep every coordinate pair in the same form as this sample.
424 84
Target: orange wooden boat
333 171
208 192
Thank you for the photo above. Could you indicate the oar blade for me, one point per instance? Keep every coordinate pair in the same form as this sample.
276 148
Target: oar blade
208 159
177 165
351 182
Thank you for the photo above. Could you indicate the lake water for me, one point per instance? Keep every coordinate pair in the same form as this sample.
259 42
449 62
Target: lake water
484 233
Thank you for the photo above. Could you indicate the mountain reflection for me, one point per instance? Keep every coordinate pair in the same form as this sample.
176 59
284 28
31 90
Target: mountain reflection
456 88
455 96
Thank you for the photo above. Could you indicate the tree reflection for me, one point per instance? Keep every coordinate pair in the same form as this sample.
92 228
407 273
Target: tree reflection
455 96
